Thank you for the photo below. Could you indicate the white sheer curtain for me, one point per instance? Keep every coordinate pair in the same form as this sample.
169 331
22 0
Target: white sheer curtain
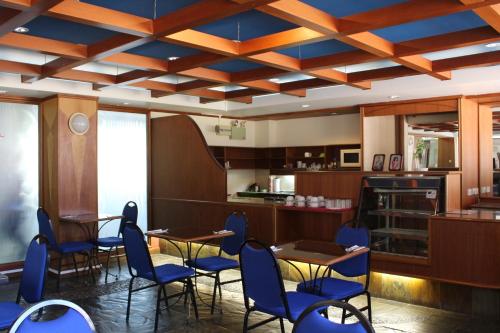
18 179
122 165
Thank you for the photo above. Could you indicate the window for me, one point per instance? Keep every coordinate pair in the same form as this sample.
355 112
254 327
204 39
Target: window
19 179
122 165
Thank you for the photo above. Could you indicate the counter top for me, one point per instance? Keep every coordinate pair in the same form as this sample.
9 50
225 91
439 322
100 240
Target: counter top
251 200
475 215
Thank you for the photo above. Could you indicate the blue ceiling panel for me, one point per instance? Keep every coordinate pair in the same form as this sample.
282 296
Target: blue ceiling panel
144 8
431 27
48 27
341 8
317 49
235 66
163 50
252 24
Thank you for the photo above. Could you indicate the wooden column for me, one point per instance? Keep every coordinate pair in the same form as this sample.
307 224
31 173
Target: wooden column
469 148
69 162
485 150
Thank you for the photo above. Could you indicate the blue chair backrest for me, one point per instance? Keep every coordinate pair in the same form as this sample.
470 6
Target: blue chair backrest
236 222
45 227
138 258
261 276
74 320
34 271
130 213
312 321
357 266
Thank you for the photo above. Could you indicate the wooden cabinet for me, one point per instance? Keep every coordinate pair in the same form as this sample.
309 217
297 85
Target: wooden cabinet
281 160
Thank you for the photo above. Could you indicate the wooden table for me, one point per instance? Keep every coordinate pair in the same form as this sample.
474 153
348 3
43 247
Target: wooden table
189 236
313 252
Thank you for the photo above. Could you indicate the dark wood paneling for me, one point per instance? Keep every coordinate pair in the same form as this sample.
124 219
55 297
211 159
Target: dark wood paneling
182 165
466 251
174 213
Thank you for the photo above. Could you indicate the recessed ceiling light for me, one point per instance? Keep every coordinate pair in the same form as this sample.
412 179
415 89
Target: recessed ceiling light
126 103
172 58
333 113
305 105
275 80
21 30
3 91
394 96
236 41
490 45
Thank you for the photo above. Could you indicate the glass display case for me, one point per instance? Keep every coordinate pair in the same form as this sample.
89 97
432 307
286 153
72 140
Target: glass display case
397 211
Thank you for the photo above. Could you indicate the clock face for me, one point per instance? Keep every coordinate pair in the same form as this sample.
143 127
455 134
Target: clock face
79 123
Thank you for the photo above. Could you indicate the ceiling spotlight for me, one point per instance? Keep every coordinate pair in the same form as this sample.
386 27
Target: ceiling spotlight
333 113
126 103
21 30
394 97
275 80
3 91
491 45
305 105
172 58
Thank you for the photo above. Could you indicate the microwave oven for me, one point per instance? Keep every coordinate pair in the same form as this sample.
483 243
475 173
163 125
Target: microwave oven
350 158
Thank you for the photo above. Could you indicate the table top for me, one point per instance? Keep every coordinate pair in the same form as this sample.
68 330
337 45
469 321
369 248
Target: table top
315 252
190 234
89 218
471 215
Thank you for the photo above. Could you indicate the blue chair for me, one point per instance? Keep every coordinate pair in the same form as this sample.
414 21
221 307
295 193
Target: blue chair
312 321
31 287
63 249
140 266
107 244
74 320
236 222
340 289
262 283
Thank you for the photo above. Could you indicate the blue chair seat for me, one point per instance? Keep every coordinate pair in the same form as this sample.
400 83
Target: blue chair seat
110 241
297 302
9 311
316 323
336 289
170 272
72 247
214 264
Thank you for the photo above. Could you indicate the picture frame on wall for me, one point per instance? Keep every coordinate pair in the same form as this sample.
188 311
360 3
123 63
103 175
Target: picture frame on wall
378 162
395 162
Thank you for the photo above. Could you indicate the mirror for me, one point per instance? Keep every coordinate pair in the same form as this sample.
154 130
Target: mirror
431 141
496 150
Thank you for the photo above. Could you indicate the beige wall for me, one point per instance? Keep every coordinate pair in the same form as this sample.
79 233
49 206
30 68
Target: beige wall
379 138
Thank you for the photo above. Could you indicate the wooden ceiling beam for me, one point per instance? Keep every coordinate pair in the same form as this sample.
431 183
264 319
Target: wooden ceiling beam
203 41
35 9
338 77
474 60
489 14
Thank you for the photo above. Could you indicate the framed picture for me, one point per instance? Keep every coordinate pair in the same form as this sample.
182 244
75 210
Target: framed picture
378 162
396 162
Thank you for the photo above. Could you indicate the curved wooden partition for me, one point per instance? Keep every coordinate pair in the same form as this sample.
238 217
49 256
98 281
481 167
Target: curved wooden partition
182 165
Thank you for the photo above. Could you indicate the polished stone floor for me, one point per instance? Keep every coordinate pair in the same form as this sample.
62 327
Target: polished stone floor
106 304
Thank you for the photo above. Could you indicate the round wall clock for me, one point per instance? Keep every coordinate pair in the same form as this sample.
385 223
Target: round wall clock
79 123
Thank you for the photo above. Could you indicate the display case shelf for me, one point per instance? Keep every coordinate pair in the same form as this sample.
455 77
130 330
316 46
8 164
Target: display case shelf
397 211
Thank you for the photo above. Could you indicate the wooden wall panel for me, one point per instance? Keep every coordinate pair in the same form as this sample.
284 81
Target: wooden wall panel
211 215
182 165
485 149
412 107
469 148
69 163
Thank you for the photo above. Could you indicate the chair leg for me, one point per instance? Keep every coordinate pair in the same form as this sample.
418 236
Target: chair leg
130 285
166 298
245 321
74 265
190 288
158 299
344 312
282 325
118 259
59 271
91 270
107 264
220 289
214 294
369 300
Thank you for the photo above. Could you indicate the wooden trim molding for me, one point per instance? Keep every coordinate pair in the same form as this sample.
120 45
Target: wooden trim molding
19 99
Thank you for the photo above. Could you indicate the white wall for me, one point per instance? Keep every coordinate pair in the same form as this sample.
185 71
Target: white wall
338 129
379 138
